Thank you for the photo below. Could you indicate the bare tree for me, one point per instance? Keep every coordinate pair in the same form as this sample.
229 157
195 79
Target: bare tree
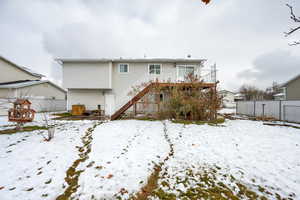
296 20
251 92
48 123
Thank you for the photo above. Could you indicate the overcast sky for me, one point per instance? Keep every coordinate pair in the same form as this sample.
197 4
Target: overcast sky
244 37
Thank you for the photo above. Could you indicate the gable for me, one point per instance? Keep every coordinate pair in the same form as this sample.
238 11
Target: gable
13 73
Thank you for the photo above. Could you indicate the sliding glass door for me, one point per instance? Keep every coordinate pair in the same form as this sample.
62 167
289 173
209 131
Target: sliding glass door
183 71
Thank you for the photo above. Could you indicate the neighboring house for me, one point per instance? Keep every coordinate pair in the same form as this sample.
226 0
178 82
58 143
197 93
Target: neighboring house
289 90
239 97
227 98
20 82
106 83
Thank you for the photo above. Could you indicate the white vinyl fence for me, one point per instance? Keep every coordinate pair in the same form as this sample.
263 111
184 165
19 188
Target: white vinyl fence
38 104
281 110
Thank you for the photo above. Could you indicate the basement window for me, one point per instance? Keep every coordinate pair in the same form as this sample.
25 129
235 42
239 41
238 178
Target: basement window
154 69
123 68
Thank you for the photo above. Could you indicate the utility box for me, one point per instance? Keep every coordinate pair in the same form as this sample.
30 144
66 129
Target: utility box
78 109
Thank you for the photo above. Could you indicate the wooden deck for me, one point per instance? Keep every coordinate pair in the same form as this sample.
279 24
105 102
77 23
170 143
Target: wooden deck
151 85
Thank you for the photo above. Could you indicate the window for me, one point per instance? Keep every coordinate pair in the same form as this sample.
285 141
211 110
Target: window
123 68
154 69
184 70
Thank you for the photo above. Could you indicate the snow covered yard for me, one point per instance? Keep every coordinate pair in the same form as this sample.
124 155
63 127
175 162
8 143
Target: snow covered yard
243 160
31 168
114 160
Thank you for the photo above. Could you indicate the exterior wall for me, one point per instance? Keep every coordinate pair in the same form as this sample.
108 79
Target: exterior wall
228 99
49 105
138 73
95 75
7 93
88 97
43 90
90 83
13 74
293 90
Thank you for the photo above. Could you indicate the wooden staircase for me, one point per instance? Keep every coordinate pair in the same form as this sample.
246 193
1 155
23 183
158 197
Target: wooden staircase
131 102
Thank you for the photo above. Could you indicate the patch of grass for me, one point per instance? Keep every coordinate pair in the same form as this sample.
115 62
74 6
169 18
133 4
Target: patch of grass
25 129
212 122
146 119
65 114
210 183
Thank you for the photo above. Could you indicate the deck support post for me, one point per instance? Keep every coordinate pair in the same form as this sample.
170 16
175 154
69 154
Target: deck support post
134 109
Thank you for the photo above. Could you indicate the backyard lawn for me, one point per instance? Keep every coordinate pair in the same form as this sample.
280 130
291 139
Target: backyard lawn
133 159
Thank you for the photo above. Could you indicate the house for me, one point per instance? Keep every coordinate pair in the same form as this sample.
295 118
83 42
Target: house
106 83
20 82
239 97
227 98
289 90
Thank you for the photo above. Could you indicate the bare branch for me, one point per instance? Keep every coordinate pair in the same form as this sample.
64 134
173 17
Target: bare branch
292 30
295 43
293 16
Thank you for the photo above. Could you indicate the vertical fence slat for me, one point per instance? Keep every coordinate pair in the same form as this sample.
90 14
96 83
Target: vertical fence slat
280 110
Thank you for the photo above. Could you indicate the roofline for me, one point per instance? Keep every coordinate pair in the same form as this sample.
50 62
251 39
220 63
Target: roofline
20 68
227 91
289 81
104 60
34 82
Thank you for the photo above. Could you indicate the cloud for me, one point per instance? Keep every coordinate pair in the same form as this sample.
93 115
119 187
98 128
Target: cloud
278 66
232 33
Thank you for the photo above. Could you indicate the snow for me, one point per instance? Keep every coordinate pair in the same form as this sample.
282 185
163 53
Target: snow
122 155
128 151
228 111
27 161
270 155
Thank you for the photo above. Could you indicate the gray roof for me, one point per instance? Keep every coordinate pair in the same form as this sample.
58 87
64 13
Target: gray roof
226 91
24 69
26 83
289 81
162 60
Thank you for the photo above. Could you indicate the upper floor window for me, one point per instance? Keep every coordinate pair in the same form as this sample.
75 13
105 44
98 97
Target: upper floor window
154 68
123 68
183 71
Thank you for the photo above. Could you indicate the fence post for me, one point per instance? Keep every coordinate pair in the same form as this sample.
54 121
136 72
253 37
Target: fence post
283 113
280 110
254 112
263 110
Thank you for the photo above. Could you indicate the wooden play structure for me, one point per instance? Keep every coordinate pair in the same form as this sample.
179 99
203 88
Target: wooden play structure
21 112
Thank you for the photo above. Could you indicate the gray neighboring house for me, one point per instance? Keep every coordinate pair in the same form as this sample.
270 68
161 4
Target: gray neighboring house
289 90
228 98
17 81
106 83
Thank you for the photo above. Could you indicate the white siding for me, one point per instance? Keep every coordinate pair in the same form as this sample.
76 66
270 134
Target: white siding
11 73
138 74
49 105
95 75
90 98
43 90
